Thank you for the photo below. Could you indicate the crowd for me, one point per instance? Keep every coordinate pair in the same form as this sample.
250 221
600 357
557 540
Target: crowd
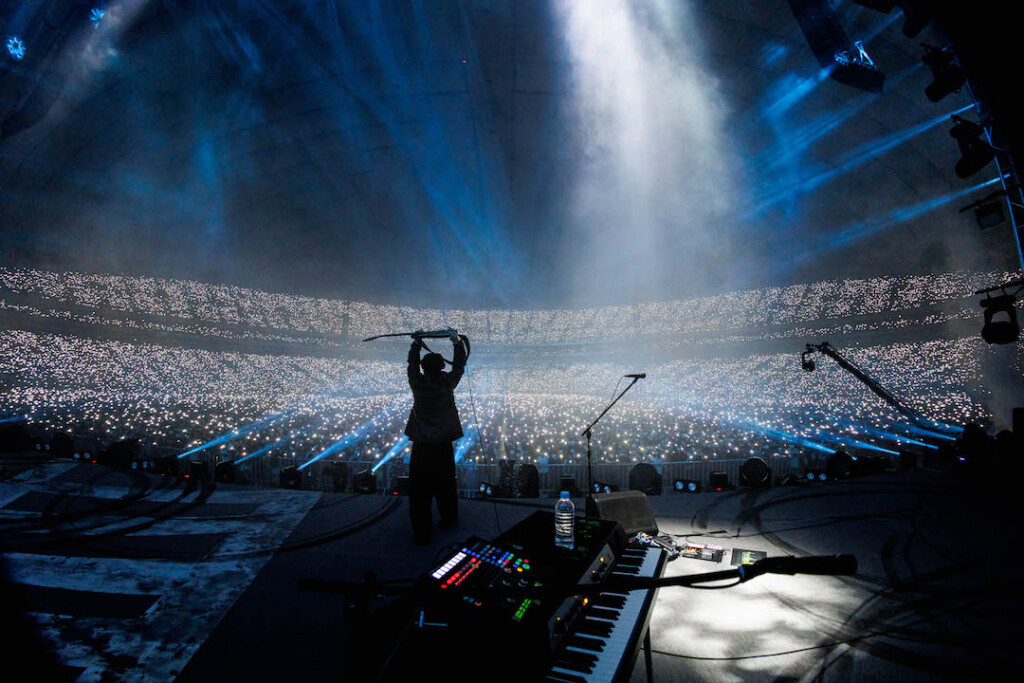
198 308
303 407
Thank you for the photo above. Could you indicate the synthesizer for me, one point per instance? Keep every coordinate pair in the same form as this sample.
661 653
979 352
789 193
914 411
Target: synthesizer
512 608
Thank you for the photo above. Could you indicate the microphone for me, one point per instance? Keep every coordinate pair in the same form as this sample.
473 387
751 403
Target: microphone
829 565
640 375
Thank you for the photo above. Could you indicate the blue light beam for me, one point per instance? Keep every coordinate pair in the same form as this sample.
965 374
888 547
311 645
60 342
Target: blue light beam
268 447
392 452
237 432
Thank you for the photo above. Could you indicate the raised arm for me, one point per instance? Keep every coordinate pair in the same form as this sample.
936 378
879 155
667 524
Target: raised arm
414 361
458 361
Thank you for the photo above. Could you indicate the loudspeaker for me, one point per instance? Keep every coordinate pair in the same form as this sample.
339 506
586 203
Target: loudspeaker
528 483
755 473
628 507
644 477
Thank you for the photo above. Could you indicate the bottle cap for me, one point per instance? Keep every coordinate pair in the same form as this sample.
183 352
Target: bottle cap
563 494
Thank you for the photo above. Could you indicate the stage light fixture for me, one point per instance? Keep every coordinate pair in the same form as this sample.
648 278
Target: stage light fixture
290 477
988 211
815 475
947 76
486 490
16 48
1002 330
224 472
844 61
687 486
604 487
644 477
975 152
365 482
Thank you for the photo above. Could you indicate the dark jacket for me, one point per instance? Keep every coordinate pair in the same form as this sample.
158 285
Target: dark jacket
434 417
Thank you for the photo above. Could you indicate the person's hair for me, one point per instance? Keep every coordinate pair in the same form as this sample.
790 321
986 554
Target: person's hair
432 363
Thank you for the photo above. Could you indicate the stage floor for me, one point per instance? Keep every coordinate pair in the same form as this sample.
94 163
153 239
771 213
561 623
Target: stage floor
134 577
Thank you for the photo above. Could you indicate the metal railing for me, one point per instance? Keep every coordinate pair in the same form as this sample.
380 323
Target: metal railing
317 477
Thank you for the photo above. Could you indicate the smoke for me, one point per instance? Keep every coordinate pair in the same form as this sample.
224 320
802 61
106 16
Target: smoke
655 172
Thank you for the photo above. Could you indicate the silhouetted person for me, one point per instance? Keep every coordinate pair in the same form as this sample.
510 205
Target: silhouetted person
433 426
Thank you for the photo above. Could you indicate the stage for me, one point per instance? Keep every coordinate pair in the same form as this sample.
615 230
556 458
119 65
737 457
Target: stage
136 577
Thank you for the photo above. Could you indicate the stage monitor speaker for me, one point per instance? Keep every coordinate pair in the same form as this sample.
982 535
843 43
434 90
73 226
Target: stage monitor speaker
866 465
688 486
365 482
338 473
528 482
628 507
908 461
567 484
644 477
224 472
755 473
61 445
121 454
720 482
198 470
166 465
290 477
604 487
401 487
840 465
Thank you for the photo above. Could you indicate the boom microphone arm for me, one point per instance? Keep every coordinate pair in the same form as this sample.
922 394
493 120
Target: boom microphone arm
863 376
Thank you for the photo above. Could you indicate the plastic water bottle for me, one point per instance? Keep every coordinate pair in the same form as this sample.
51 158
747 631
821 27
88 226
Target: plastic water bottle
565 520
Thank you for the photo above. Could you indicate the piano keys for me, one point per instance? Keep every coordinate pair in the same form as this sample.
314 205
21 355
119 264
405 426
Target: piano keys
513 608
604 642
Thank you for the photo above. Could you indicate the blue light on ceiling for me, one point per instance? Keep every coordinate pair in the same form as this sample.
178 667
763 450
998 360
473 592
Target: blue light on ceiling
16 48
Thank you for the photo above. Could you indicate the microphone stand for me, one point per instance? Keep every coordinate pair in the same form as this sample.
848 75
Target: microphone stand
589 430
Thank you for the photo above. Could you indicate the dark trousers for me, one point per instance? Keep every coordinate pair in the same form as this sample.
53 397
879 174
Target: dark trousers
432 474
